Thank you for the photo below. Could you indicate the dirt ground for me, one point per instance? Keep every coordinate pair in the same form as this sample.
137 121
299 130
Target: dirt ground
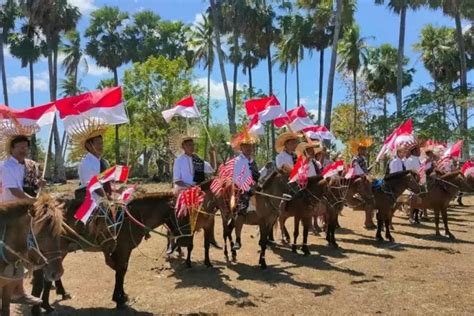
420 274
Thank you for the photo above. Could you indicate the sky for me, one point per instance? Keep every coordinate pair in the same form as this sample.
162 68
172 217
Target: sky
376 22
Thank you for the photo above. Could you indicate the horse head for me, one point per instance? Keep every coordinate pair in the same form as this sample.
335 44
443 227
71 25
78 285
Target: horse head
363 186
46 239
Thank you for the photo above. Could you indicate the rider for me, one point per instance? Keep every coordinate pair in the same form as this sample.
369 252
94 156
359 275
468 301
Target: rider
311 152
19 173
244 165
285 145
412 162
397 164
359 162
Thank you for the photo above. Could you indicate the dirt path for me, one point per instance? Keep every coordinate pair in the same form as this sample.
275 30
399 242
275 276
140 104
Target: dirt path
418 275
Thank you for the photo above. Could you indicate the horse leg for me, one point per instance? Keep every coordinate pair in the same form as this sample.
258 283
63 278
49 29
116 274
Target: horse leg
37 289
285 236
296 232
388 235
306 224
45 297
378 235
188 258
61 291
225 233
121 265
239 223
436 213
444 213
6 297
208 235
369 214
263 246
230 228
315 226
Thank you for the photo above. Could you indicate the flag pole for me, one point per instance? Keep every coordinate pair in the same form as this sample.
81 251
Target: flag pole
46 158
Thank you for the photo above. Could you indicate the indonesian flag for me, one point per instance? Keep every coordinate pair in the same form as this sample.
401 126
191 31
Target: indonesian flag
267 108
351 172
127 194
318 132
39 116
454 151
185 108
445 164
297 119
189 200
468 168
256 127
300 171
403 133
88 206
243 177
105 106
116 173
333 169
422 173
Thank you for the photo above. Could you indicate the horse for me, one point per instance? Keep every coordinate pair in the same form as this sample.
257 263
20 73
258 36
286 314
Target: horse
31 236
144 214
386 197
441 190
356 201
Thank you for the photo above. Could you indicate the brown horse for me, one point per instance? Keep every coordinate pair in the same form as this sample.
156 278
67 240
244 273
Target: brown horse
441 190
31 235
357 202
145 213
386 197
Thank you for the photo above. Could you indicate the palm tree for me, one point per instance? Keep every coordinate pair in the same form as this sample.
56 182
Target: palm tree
107 45
54 18
8 14
381 74
216 21
283 59
352 54
202 45
74 56
400 7
27 47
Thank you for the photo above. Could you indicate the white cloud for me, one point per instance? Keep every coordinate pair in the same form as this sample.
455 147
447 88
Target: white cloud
217 88
85 6
22 84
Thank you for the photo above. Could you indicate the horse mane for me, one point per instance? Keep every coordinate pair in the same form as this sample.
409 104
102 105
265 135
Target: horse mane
48 207
14 210
270 177
398 175
164 195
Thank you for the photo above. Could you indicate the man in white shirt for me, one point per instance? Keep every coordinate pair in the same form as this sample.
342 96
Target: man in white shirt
188 168
310 151
412 162
13 174
396 164
285 146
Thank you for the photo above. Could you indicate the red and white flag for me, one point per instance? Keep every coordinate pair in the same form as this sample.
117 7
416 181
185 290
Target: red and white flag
224 175
116 173
454 151
300 172
467 168
403 133
189 200
39 116
267 108
297 119
127 194
445 164
318 132
185 108
242 176
105 106
333 169
351 172
256 127
88 206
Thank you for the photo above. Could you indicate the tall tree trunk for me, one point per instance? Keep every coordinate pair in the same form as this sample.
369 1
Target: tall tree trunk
356 106
4 72
250 82
117 141
220 57
400 58
297 81
286 86
332 69
208 112
385 115
234 80
34 151
59 170
270 92
463 81
320 91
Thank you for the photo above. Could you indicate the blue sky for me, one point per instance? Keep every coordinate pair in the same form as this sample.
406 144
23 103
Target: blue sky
374 21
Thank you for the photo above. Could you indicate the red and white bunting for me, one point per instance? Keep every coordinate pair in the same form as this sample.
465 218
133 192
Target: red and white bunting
256 127
297 119
454 151
467 168
300 172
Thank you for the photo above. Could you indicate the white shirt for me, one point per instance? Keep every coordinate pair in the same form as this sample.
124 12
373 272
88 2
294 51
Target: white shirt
284 158
396 165
241 169
413 163
183 170
13 174
88 168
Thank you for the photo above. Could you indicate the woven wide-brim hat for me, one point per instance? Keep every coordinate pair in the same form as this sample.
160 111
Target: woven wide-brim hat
178 136
355 144
243 138
304 145
11 129
81 132
282 139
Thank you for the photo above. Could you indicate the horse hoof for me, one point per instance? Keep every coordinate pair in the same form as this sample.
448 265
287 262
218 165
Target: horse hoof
48 308
121 305
263 265
391 239
36 311
293 248
369 226
379 238
306 251
334 245
284 241
236 246
450 236
208 264
66 296
188 265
